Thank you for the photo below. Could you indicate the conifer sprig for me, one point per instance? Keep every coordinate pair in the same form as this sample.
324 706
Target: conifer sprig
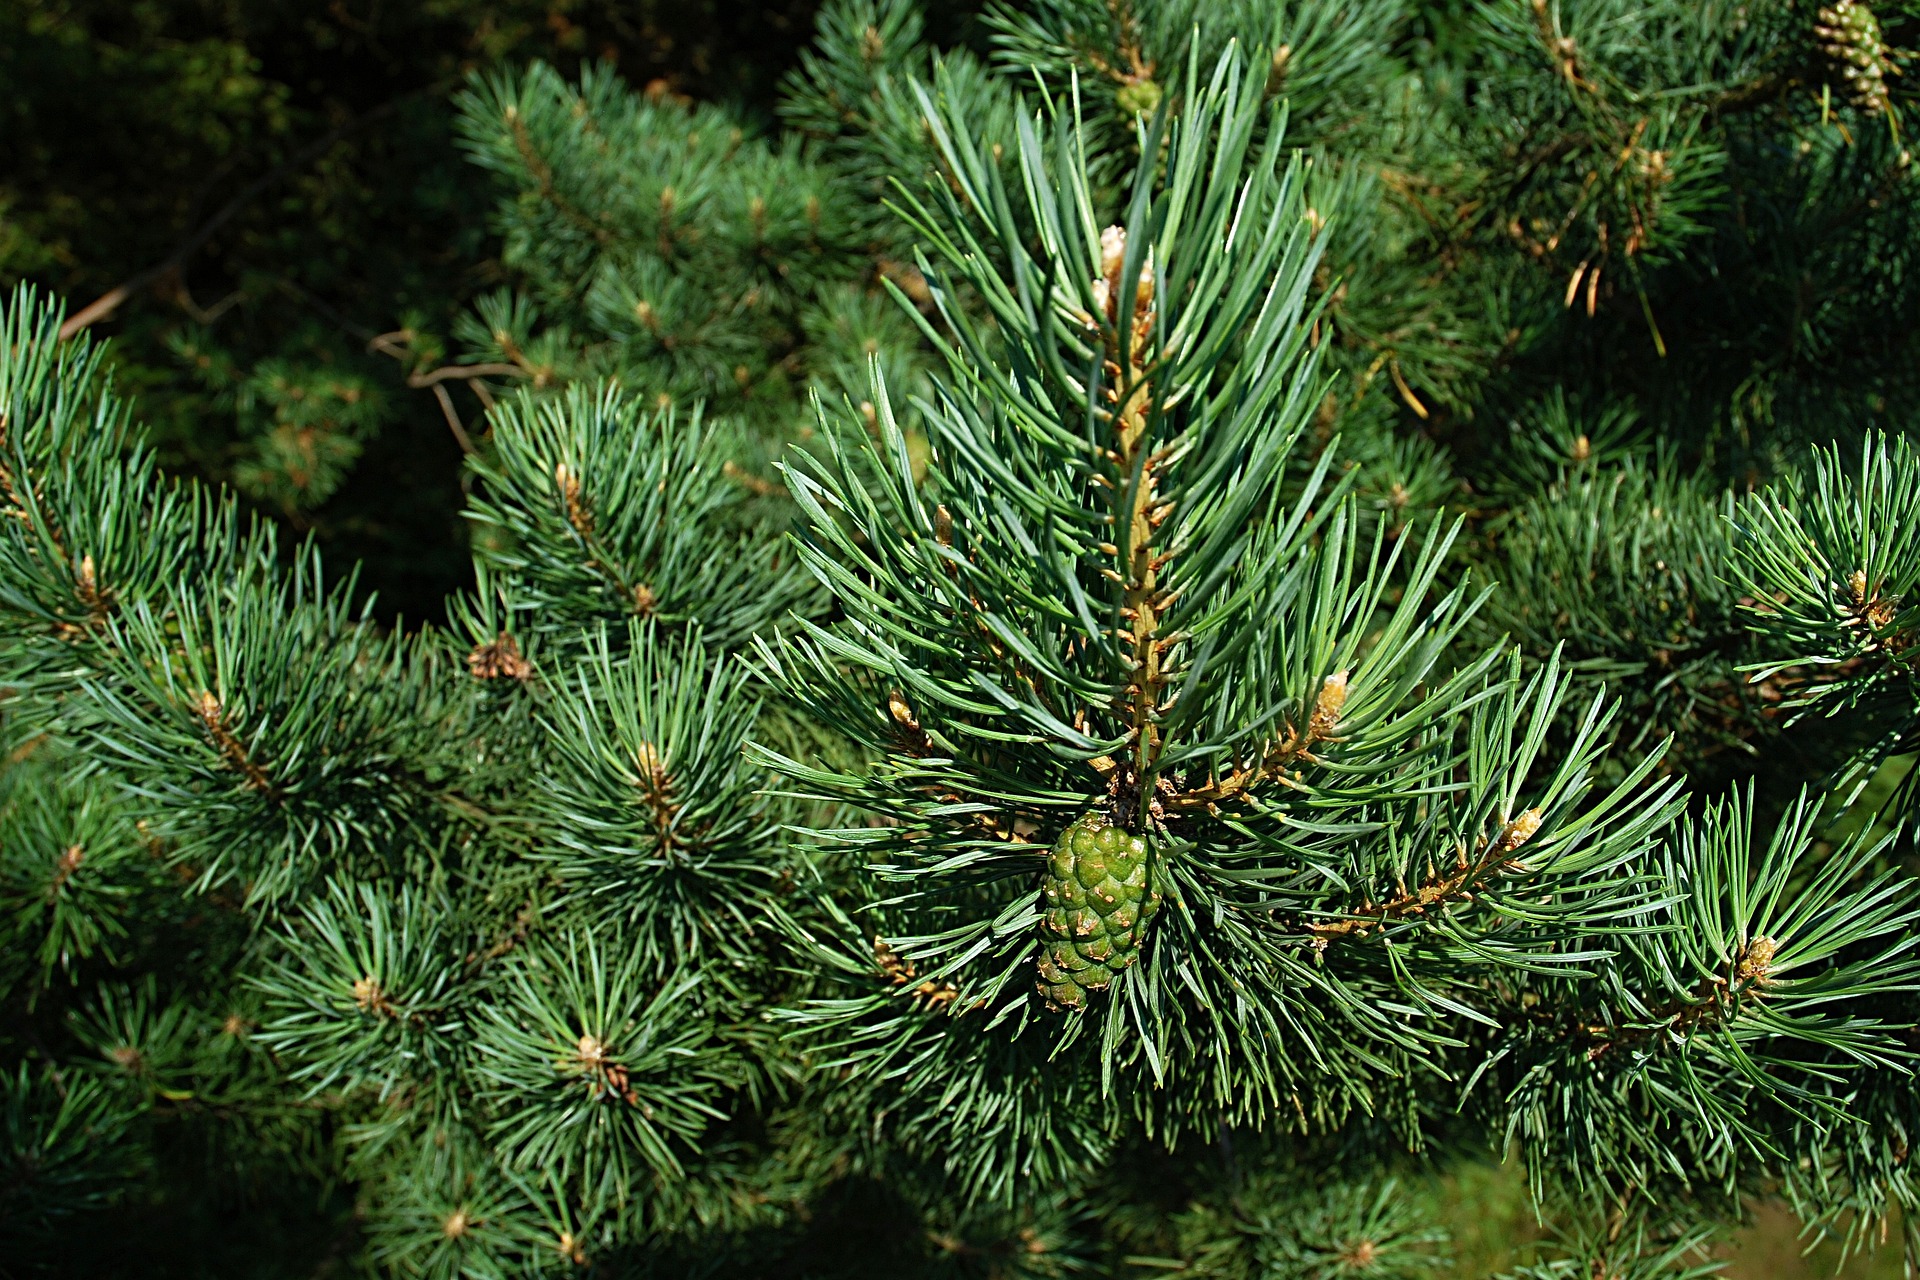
369 992
596 1070
594 507
1105 599
1831 558
658 831
1741 1004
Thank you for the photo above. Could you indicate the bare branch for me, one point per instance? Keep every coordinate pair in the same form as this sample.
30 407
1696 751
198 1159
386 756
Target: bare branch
453 419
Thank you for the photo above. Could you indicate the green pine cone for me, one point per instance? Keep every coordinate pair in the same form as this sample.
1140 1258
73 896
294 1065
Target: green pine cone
1849 35
1099 897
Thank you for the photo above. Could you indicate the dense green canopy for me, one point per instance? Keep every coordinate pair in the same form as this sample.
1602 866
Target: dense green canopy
1093 637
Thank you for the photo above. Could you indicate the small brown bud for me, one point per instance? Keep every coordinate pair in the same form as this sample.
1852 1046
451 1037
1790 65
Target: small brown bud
1277 69
63 868
1755 964
1518 831
897 969
591 1053
652 766
1327 707
369 996
498 659
579 515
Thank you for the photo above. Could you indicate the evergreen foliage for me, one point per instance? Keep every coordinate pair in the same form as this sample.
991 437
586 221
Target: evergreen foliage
263 202
1103 656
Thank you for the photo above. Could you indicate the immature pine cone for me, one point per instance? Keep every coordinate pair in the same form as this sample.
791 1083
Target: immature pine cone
1849 35
1099 897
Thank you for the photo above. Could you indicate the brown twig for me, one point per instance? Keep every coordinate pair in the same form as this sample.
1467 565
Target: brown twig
453 418
398 345
63 868
214 718
1495 857
915 741
1138 515
1294 745
577 505
657 791
461 371
96 598
1711 1001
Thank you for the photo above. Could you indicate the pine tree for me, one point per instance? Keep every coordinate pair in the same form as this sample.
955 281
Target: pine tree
1324 612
